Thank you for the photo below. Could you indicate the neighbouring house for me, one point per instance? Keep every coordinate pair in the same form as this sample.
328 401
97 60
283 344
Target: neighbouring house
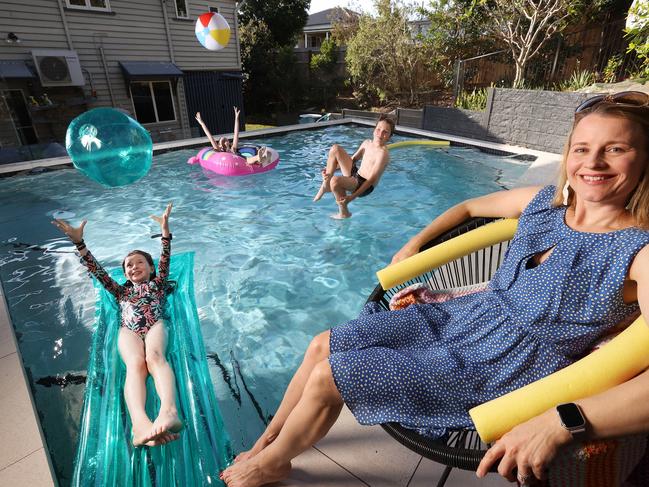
319 25
60 58
317 29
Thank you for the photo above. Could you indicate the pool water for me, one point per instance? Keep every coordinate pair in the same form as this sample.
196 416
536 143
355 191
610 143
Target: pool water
272 269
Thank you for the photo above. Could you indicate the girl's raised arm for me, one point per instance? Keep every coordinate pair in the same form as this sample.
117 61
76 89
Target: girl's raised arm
76 235
163 264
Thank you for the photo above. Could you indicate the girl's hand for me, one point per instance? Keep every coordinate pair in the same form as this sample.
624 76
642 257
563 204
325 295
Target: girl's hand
198 117
75 234
164 220
236 112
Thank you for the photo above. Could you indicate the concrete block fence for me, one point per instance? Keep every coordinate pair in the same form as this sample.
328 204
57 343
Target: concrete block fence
536 119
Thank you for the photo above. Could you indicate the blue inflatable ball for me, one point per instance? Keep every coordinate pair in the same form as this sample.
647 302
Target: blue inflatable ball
109 147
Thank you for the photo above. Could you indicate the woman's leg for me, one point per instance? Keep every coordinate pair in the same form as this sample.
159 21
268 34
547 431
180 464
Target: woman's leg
131 349
338 158
165 381
310 419
317 351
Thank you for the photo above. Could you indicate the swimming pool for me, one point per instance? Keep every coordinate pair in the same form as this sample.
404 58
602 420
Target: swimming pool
271 268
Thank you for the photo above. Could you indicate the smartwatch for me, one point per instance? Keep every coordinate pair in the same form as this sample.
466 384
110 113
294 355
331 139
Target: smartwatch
572 419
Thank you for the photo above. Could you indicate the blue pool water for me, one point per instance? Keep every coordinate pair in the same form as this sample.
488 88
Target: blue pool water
272 269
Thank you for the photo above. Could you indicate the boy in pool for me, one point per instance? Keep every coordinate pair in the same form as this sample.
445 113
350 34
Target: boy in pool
262 157
361 181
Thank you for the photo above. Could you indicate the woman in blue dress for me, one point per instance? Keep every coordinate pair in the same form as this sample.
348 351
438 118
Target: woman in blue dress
571 273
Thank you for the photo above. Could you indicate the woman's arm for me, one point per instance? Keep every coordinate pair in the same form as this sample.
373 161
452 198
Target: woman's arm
235 137
206 131
163 264
87 259
621 410
503 204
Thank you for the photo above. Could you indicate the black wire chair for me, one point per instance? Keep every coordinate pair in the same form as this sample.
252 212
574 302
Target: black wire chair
461 449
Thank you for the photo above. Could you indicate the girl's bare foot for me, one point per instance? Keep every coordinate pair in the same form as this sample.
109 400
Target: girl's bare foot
254 472
167 420
163 438
142 432
259 445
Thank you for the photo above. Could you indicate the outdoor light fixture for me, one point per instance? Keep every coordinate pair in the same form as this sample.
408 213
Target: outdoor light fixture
12 38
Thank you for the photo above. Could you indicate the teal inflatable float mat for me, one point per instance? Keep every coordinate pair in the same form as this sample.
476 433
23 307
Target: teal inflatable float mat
105 453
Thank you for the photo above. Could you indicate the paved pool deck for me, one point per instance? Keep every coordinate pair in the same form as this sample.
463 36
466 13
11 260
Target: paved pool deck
350 455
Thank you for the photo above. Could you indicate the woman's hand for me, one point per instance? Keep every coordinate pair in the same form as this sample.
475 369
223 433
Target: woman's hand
75 234
198 118
406 251
236 112
526 451
164 220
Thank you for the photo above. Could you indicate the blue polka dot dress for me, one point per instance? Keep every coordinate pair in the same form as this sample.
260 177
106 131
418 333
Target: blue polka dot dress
425 366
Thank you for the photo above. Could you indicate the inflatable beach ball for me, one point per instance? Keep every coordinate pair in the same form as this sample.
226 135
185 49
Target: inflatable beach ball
109 147
212 31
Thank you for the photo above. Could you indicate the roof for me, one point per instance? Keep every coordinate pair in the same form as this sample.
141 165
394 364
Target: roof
15 69
149 69
329 16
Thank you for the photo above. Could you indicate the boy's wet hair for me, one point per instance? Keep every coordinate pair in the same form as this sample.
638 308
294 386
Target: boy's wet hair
387 119
147 257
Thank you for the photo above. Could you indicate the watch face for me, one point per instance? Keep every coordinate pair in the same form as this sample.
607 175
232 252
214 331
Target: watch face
570 415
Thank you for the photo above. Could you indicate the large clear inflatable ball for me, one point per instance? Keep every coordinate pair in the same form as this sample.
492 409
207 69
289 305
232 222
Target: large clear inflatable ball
109 147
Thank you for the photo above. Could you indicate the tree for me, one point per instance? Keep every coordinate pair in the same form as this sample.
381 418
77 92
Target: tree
285 18
457 31
268 68
637 31
383 57
525 26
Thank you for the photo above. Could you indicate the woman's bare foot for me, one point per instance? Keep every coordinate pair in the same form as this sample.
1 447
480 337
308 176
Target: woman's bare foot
142 432
263 441
254 472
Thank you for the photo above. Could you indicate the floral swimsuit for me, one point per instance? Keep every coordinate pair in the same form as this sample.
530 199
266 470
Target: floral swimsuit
141 305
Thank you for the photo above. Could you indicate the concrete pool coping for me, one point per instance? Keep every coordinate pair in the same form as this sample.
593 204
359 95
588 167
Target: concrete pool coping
25 459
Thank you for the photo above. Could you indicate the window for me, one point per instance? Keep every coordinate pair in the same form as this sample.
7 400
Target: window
181 9
153 101
89 4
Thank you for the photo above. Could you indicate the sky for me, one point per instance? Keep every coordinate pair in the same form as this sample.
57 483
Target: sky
356 5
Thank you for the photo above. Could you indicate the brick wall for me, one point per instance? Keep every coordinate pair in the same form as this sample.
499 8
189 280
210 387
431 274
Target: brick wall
536 119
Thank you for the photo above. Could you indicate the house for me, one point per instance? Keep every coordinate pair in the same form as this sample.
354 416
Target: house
318 27
60 58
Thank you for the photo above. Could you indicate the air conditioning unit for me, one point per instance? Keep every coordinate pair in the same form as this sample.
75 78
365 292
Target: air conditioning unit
57 67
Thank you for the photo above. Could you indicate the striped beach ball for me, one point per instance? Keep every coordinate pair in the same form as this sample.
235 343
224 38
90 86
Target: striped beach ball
212 31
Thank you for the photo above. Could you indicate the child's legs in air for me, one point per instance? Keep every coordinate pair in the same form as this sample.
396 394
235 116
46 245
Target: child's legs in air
165 381
131 349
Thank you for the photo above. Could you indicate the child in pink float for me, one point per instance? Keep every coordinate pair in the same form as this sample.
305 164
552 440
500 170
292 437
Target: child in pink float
262 157
142 340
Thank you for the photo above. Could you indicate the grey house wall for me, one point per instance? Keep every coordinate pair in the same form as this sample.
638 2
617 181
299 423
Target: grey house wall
142 30
536 119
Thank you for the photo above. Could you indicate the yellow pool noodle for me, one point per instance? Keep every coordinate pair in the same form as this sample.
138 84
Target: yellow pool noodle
481 237
619 360
407 143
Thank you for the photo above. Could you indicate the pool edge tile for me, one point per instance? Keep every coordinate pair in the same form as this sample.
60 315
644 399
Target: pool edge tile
17 405
32 470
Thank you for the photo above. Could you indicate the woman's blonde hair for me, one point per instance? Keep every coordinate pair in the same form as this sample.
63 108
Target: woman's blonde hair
638 203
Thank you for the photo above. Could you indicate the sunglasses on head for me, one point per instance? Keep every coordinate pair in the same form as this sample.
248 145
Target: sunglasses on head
624 98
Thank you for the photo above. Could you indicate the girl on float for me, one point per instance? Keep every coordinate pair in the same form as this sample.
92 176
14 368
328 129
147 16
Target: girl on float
262 156
142 339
